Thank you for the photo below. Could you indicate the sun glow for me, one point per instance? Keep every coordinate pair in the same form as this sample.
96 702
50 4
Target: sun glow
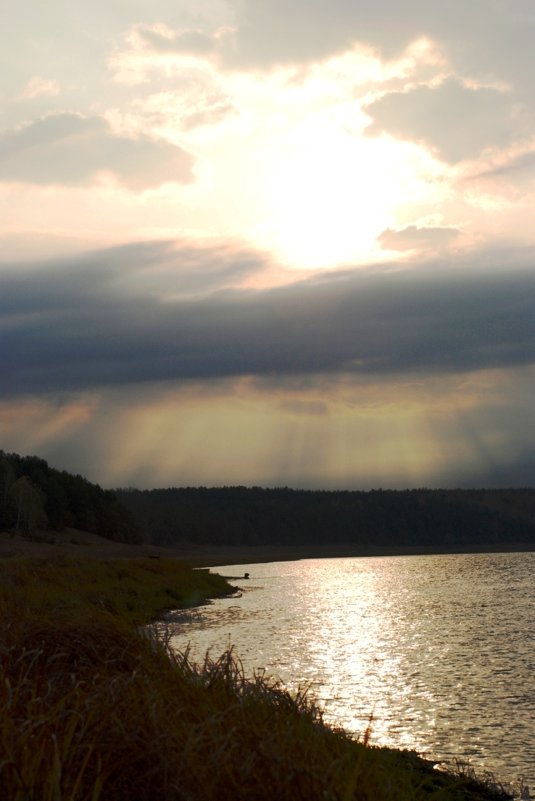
288 163
314 188
331 194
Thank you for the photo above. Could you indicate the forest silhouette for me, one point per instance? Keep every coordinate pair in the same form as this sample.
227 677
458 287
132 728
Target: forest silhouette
34 496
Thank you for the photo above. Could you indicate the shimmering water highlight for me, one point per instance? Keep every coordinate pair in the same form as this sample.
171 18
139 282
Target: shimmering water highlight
439 649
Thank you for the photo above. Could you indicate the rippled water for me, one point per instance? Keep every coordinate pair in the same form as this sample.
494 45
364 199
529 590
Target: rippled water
439 649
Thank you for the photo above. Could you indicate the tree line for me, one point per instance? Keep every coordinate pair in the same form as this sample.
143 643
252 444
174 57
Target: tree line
384 518
34 496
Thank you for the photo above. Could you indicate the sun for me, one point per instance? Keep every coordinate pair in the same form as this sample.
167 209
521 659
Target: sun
325 209
294 171
328 195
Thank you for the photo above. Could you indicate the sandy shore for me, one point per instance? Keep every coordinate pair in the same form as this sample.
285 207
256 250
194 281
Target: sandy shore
72 542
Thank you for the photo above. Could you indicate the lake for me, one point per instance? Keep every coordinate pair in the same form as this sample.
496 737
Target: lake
439 651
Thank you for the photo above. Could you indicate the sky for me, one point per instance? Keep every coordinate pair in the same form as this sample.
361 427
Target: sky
256 242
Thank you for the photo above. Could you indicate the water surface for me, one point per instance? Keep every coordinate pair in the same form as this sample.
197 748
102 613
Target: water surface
438 650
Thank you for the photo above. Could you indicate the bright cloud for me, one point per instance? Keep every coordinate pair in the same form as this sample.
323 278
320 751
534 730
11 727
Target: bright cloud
415 238
37 86
301 232
284 157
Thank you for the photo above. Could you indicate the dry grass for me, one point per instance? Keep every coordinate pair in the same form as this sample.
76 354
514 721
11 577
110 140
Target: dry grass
96 710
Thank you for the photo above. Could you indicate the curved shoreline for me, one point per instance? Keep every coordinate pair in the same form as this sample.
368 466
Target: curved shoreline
78 669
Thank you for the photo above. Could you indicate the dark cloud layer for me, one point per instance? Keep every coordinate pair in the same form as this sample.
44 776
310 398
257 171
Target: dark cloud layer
123 316
71 149
519 473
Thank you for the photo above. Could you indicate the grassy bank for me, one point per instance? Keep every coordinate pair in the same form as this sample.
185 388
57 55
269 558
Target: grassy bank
95 710
135 590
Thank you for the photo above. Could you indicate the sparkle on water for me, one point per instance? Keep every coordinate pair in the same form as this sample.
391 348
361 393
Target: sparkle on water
439 649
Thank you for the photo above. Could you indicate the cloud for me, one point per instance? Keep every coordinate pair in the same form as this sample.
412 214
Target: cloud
29 245
520 167
152 312
486 39
485 42
158 52
272 32
194 100
142 270
414 237
455 120
517 472
325 432
71 149
38 86
164 40
301 408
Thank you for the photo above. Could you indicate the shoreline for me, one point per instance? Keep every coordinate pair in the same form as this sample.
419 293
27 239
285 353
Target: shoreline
72 542
212 556
88 710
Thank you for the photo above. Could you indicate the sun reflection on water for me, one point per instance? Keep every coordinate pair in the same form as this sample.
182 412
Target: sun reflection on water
437 650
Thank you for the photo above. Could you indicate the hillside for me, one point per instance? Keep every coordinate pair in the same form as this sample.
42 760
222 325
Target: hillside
34 496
